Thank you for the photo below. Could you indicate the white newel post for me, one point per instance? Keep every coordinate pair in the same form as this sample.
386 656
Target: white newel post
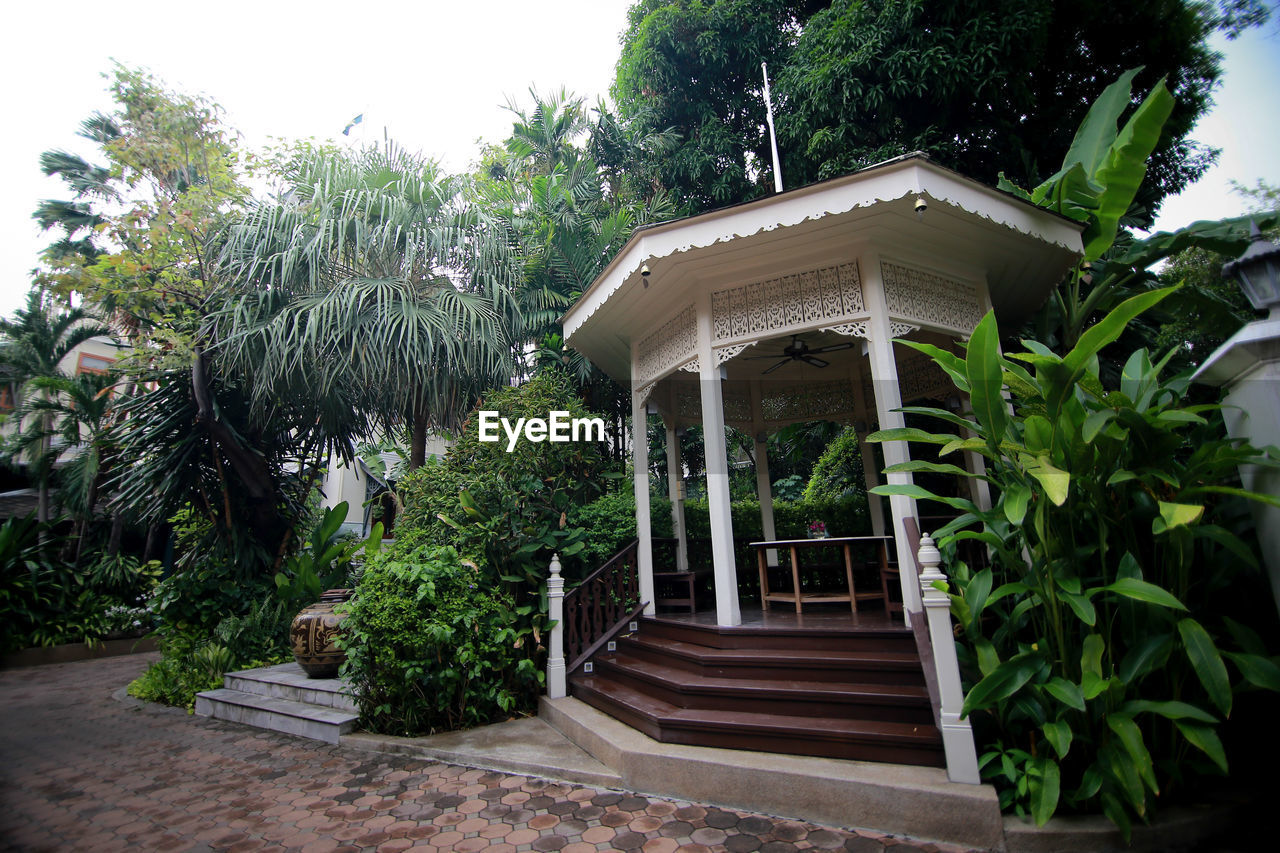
957 736
555 612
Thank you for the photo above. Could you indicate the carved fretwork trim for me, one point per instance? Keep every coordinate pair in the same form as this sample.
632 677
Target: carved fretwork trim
901 330
723 354
672 343
849 330
930 299
792 301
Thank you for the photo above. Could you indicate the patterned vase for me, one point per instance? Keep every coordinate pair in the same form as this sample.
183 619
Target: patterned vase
313 632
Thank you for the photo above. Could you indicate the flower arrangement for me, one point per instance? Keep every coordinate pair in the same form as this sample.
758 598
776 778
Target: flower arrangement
817 530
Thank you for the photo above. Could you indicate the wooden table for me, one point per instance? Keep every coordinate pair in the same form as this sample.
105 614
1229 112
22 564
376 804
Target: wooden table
797 596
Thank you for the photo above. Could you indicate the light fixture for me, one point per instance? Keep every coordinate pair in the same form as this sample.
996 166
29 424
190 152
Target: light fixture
1258 271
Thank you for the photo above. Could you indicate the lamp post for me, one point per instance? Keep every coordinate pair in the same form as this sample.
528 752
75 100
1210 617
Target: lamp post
1258 271
1248 367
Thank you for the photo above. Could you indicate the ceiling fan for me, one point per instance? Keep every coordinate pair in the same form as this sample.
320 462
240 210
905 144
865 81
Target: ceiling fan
798 350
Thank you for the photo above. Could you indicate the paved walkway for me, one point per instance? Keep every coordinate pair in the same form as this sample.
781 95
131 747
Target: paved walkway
81 770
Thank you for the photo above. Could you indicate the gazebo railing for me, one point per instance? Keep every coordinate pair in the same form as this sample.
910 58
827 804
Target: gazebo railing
601 606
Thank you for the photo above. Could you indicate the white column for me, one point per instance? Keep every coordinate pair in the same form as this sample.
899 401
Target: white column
957 736
722 559
976 463
870 469
764 485
675 475
640 460
556 688
884 381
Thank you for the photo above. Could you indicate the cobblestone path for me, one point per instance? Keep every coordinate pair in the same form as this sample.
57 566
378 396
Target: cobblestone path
81 770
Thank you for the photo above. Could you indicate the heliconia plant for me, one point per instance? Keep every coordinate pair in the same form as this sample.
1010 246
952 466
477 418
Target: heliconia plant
1099 665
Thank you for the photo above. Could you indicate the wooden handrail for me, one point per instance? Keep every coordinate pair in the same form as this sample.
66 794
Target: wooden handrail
598 607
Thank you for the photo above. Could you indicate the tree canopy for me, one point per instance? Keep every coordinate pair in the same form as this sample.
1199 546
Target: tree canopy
982 86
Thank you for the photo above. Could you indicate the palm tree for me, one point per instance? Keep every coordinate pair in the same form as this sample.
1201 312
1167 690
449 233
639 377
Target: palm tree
371 281
32 346
76 219
70 419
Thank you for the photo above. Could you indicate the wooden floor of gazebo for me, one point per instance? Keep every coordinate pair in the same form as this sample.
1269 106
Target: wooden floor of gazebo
815 618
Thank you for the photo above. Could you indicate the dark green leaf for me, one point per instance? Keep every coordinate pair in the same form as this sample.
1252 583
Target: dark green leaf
1045 781
1207 663
985 382
1140 590
1204 738
1008 678
1257 670
1065 692
1059 735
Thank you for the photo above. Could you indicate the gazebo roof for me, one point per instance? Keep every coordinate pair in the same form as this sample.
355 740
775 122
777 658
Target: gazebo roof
971 230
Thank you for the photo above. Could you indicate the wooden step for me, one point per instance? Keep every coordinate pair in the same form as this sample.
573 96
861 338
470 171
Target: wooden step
831 737
796 638
899 667
790 696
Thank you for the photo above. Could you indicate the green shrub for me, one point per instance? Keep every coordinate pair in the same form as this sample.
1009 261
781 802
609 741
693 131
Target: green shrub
46 602
507 512
194 659
610 522
431 648
838 471
1097 643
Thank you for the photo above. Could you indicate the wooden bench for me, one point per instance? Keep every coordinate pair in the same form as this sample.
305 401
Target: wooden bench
686 585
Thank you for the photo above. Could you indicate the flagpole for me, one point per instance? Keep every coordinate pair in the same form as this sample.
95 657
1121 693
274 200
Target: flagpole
773 137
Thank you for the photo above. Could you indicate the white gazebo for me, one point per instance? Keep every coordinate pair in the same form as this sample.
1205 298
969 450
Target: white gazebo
786 309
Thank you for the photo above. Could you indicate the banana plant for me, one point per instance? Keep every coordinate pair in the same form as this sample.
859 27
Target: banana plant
1097 185
326 560
1099 658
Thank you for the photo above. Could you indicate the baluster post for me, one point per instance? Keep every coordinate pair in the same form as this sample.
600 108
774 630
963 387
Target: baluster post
555 611
957 735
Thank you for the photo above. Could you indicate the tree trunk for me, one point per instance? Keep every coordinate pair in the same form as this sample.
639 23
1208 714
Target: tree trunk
149 548
117 534
418 443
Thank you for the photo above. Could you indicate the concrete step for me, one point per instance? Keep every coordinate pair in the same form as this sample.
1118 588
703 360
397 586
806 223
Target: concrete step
904 800
317 722
289 681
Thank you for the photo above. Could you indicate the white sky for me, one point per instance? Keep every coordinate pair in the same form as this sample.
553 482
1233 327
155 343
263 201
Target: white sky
435 74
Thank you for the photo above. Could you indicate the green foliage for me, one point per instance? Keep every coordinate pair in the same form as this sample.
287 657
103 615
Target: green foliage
507 511
195 656
1100 184
838 471
694 67
789 488
45 601
360 247
979 85
1095 640
431 647
610 521
325 563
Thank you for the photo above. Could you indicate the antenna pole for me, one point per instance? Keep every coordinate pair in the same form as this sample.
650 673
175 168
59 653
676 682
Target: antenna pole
773 137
